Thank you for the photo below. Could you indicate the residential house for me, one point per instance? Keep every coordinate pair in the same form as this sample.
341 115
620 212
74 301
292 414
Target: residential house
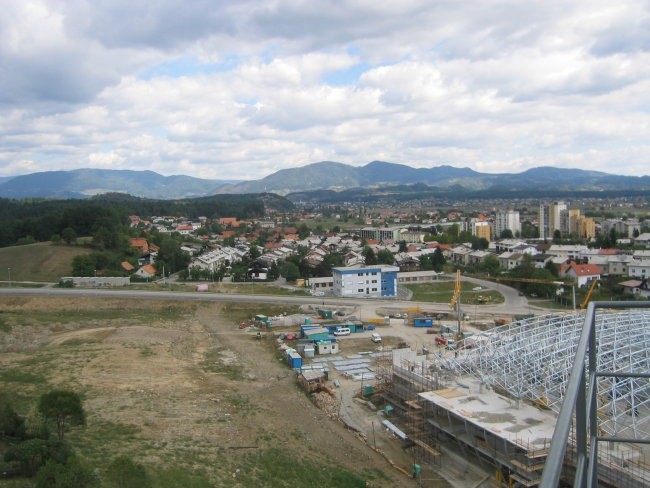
582 274
147 271
460 254
641 255
407 261
637 288
643 240
478 256
541 260
352 258
229 222
639 268
140 243
571 252
510 260
618 265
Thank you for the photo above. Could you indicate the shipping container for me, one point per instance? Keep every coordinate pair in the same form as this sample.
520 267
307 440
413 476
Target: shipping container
422 322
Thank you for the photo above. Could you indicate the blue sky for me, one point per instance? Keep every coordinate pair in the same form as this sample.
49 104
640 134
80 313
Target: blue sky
239 90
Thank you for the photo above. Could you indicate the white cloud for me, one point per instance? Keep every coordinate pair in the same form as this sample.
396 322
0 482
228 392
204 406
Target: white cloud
241 89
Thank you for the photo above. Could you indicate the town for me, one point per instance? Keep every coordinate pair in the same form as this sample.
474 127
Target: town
552 241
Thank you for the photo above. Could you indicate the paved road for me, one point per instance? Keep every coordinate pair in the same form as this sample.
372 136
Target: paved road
513 304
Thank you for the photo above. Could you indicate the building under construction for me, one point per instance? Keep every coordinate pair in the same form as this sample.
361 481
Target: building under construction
499 400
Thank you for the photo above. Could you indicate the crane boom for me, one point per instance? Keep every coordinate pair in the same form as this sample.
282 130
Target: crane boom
585 302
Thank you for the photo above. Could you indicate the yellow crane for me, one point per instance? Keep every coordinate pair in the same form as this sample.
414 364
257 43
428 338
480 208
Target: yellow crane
585 302
457 288
455 300
531 280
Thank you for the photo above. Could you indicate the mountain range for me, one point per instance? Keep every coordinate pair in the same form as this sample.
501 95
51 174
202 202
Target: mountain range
325 175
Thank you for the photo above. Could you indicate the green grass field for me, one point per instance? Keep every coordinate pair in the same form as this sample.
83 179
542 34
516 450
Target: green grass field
443 291
38 262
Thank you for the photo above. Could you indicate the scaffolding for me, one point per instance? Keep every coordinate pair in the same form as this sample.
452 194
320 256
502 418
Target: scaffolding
529 362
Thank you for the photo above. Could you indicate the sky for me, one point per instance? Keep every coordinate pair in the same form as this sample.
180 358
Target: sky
241 89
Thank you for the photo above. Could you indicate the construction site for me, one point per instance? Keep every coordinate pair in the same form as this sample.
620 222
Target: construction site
498 401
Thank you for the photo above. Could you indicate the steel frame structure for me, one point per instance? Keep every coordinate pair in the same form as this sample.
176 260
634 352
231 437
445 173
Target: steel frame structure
630 369
533 359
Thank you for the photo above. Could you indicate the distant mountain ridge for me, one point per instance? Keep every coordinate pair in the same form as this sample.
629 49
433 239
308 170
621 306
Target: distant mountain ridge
83 183
324 175
337 176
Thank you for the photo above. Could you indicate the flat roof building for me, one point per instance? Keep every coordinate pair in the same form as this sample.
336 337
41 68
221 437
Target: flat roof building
365 281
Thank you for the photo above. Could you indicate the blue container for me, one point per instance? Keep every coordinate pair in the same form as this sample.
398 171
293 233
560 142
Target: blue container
422 322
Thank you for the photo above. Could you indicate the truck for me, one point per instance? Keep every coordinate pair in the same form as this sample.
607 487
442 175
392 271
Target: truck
446 340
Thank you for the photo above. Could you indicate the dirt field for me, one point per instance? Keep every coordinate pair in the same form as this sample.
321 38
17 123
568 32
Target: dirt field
181 389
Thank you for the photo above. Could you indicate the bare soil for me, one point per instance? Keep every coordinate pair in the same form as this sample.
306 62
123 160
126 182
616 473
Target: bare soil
186 389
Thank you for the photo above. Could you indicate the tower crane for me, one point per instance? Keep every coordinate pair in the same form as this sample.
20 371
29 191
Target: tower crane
455 301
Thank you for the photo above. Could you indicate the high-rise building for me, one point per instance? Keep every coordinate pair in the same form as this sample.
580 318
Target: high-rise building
550 219
481 229
508 220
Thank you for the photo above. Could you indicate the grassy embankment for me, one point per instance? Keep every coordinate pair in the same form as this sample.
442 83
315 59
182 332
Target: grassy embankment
40 262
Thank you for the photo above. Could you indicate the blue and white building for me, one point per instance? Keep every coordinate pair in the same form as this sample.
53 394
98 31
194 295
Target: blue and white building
365 281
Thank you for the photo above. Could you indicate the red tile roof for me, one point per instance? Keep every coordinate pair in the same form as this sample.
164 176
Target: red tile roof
585 269
139 242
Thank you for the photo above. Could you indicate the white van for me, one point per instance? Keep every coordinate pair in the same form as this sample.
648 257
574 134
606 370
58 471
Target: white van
342 331
375 337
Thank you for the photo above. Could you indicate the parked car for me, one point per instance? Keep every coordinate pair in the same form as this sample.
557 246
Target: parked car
375 337
342 331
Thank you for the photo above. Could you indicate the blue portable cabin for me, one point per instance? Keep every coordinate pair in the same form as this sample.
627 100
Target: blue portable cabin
422 322
295 360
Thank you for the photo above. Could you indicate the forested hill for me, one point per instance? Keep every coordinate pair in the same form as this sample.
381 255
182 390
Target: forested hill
38 220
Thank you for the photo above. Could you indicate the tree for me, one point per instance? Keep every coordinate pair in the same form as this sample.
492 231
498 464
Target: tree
83 265
438 261
69 235
63 407
72 473
290 271
303 231
254 252
29 455
369 255
402 246
506 234
384 256
490 265
11 424
124 473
